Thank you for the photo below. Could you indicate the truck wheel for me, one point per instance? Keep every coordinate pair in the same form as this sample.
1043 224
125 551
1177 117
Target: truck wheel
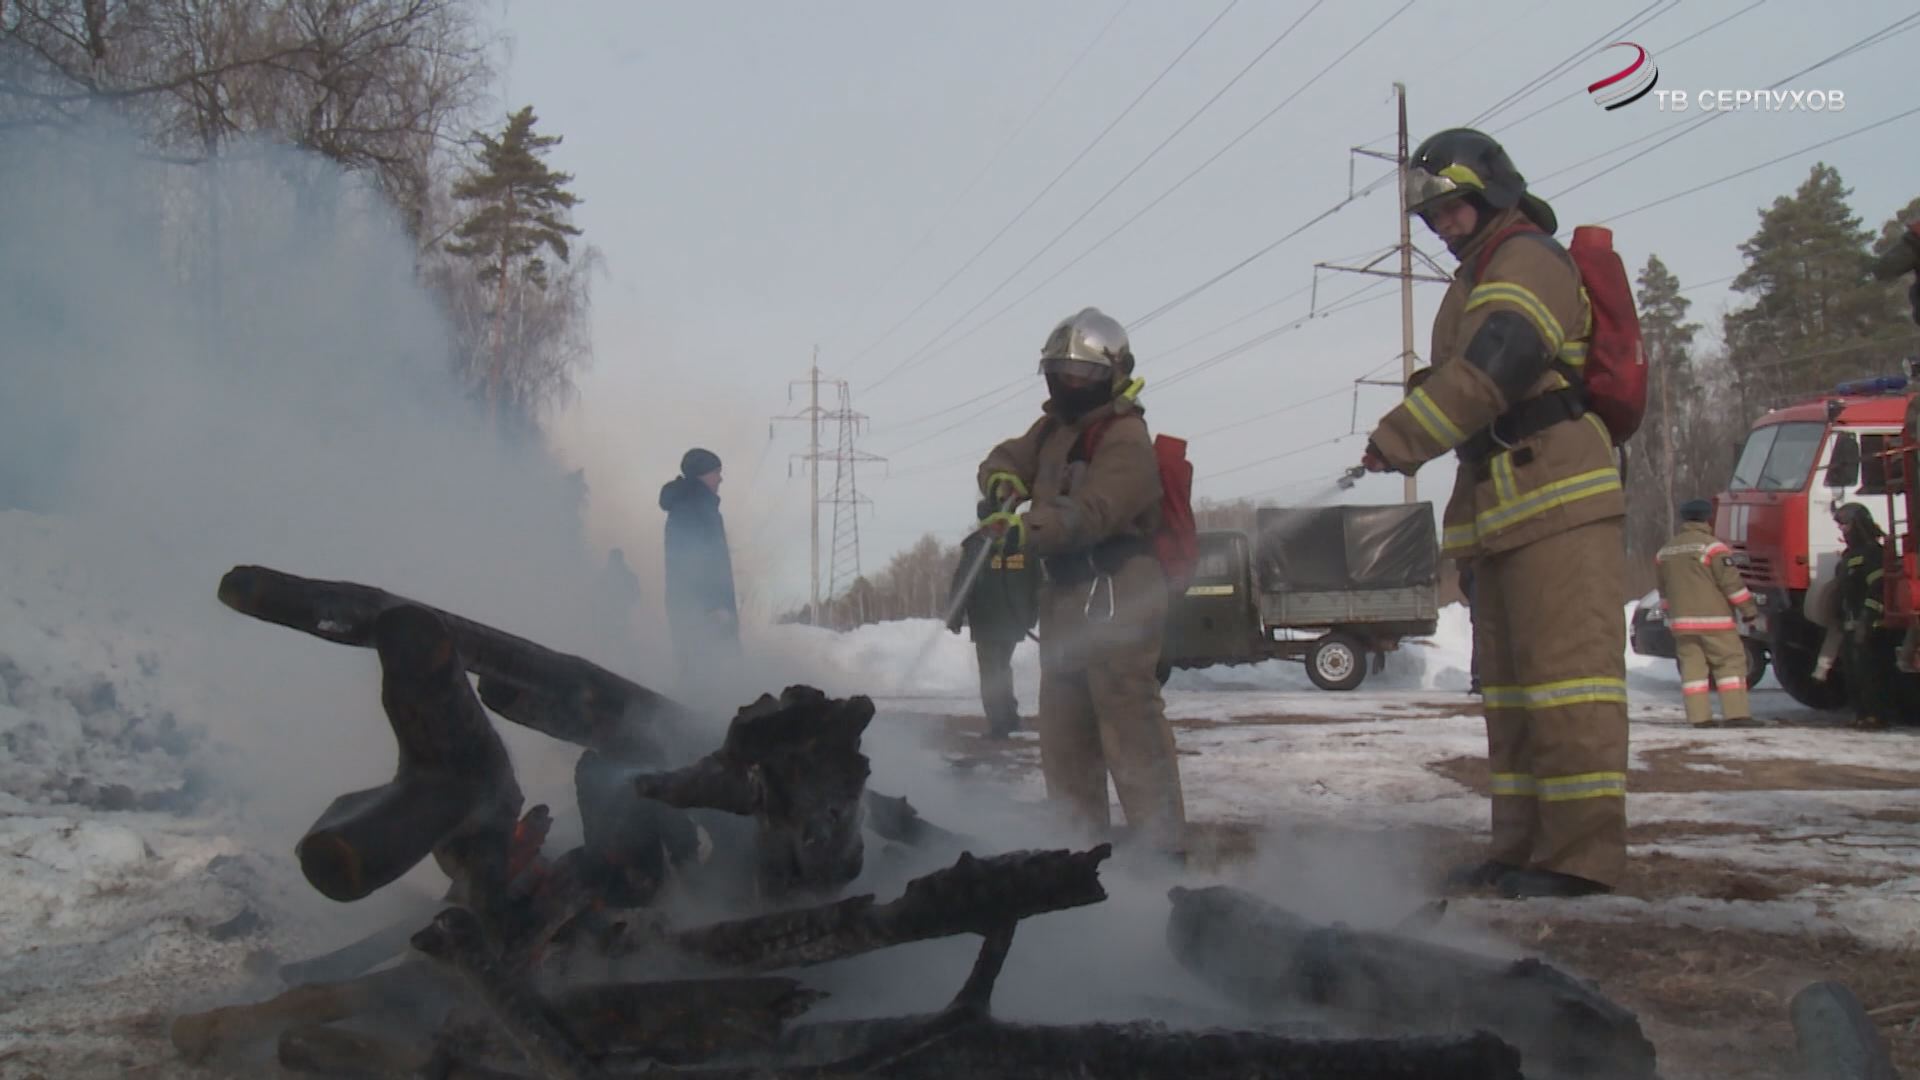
1336 662
1796 645
1756 661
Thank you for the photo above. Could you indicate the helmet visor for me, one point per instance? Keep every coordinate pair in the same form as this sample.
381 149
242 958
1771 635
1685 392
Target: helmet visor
1084 370
1425 189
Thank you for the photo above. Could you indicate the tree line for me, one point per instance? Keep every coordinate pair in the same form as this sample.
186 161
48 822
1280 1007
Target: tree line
1811 316
388 90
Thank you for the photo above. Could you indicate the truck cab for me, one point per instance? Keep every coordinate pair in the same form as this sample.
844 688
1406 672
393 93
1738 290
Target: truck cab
1799 464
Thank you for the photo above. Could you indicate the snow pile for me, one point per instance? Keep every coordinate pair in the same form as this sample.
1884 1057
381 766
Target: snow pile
88 714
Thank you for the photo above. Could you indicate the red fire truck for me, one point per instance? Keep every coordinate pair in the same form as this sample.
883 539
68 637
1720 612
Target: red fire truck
1799 464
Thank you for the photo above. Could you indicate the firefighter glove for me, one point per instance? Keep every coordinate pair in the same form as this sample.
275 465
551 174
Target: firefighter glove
1008 530
1002 486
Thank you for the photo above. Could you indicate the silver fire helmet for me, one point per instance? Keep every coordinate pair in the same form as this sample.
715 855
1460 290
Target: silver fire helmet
1090 345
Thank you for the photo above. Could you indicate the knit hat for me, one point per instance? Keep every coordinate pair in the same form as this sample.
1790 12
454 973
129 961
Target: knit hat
697 463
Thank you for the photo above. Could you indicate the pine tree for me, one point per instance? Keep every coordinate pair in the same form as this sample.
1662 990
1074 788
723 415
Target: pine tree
1668 340
1817 315
520 208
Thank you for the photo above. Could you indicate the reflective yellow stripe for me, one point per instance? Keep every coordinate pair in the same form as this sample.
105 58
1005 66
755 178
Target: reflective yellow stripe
1876 575
1875 605
1513 784
1857 560
1505 487
1210 590
1593 785
1551 695
1458 538
1574 353
1547 496
1436 423
1506 292
1463 176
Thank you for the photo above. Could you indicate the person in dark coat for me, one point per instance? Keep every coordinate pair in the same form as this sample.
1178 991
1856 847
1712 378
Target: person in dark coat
1003 607
701 610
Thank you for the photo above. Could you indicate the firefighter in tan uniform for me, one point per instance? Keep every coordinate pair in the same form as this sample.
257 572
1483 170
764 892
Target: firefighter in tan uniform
1103 606
1700 590
1538 508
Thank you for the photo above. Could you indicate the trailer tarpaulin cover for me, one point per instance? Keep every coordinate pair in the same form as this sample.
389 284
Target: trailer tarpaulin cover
1335 548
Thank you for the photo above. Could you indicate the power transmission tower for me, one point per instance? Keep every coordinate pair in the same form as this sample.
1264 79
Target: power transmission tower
846 498
1408 358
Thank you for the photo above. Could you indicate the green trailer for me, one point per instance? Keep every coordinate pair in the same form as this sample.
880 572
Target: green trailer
1336 588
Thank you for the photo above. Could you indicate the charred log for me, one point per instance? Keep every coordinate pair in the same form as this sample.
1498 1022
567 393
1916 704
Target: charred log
315 1050
630 844
684 1021
453 795
1269 958
794 764
456 939
199 1036
1150 1052
558 694
973 896
893 818
353 958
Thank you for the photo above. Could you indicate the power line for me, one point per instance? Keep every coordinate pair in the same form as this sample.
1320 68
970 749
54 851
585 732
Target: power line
969 418
1880 36
1012 136
941 342
957 406
1349 300
1534 84
1756 168
1664 50
1301 404
1257 255
1281 456
1035 201
1122 181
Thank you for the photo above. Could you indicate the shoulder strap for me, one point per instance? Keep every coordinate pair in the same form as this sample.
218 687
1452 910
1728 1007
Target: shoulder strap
1090 438
1485 256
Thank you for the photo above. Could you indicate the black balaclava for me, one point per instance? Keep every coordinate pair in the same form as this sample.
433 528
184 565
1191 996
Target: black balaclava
1074 402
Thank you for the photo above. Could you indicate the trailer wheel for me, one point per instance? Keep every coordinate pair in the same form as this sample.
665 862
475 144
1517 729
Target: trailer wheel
1337 662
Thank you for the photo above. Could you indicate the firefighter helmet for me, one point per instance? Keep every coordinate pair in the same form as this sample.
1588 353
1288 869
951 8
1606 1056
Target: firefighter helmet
1464 162
1696 510
1089 345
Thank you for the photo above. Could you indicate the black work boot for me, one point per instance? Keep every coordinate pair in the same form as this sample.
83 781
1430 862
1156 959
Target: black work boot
1476 875
1740 722
1524 884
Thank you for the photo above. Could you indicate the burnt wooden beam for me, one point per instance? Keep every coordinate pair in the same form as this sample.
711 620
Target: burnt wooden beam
1274 961
973 896
453 794
555 693
794 764
200 1036
892 817
683 1021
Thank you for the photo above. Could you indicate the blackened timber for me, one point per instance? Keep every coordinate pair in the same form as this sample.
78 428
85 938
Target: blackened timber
199 1036
1271 959
557 694
319 1050
456 938
973 896
685 1020
794 764
1144 1051
453 794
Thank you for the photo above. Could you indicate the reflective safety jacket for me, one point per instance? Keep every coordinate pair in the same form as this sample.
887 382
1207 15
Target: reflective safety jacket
1862 566
1515 488
1699 585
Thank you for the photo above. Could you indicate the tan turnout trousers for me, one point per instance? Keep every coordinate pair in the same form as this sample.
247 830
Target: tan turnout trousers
1708 663
1552 641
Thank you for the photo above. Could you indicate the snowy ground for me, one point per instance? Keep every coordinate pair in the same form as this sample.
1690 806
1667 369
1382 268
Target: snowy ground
131 887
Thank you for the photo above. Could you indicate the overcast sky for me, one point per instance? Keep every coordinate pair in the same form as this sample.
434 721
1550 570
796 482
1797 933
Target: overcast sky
765 177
